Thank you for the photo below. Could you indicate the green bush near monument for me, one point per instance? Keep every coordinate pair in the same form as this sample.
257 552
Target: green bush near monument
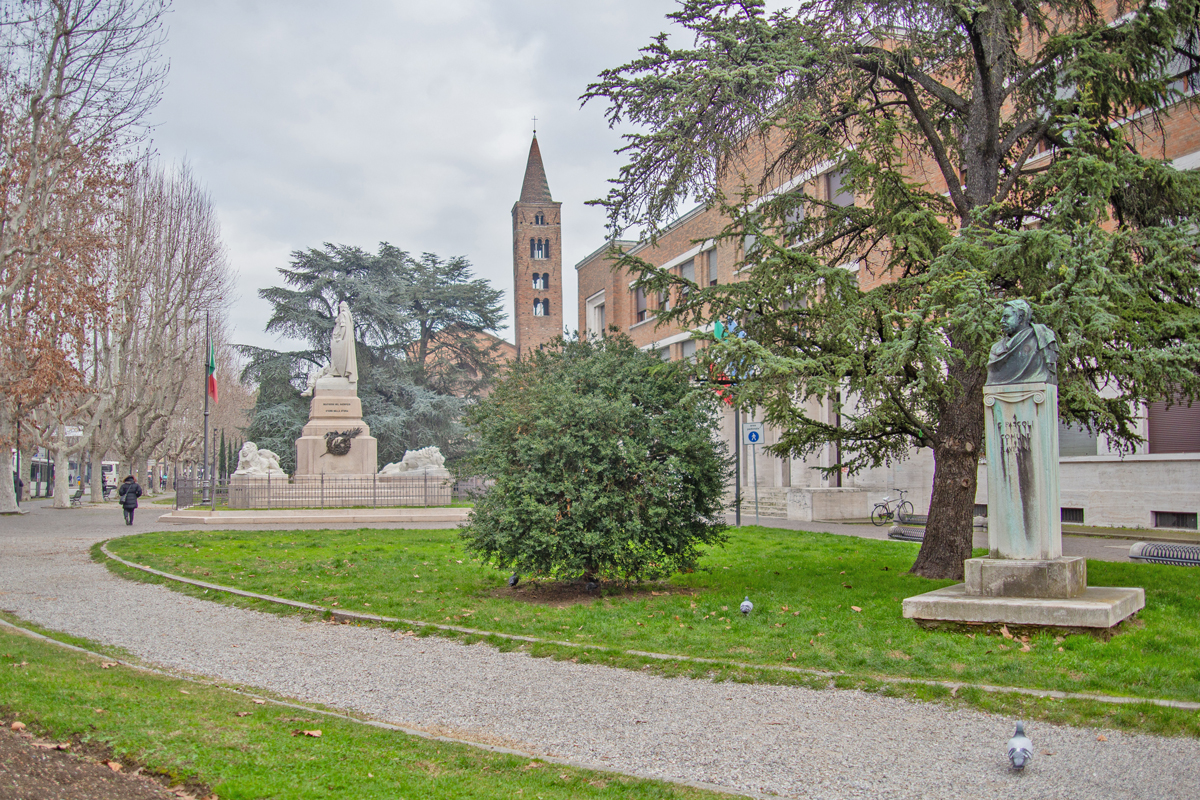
605 463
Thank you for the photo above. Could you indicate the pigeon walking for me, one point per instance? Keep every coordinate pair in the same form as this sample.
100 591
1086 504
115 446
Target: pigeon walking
1020 749
514 580
747 606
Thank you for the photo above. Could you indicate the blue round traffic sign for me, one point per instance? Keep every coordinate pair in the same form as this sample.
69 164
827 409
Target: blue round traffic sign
752 436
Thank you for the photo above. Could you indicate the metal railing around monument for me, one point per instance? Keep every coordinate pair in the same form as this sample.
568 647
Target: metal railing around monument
327 491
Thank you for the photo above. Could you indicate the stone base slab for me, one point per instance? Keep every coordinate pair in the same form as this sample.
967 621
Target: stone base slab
1007 577
1096 608
820 503
315 516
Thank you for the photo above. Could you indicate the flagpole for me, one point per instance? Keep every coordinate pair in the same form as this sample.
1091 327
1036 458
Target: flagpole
207 346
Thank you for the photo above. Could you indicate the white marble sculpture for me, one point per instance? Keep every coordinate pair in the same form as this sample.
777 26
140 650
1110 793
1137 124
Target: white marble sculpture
427 460
342 370
343 360
255 462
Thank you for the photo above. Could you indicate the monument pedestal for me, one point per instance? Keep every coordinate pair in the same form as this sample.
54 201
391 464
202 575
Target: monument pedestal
1025 581
335 410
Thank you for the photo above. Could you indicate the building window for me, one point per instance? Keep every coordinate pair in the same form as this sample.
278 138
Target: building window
688 349
639 305
1174 428
594 314
539 248
545 280
838 189
687 271
1175 519
546 307
1074 515
539 219
537 281
1075 440
711 262
537 308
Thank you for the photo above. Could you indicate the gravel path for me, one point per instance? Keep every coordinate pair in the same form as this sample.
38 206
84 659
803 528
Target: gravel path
767 739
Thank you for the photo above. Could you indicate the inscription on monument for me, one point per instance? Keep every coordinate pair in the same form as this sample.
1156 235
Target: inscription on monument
1015 436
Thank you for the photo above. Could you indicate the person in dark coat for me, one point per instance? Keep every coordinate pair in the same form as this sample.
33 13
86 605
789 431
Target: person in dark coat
129 493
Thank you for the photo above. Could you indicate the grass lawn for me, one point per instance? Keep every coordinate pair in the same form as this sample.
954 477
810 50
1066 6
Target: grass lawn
202 734
821 601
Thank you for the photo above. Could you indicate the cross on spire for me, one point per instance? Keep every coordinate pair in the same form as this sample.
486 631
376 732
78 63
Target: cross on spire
535 126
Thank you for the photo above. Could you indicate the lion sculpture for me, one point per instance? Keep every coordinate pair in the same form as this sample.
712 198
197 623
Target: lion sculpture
253 461
427 460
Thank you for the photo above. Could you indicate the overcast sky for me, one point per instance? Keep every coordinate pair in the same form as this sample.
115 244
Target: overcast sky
392 120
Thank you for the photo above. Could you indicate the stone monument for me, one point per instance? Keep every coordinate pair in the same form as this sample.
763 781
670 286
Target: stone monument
336 441
1024 580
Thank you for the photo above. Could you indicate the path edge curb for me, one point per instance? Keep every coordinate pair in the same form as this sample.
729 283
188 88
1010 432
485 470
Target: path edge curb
352 616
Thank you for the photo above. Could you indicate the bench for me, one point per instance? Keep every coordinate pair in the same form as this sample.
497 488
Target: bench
1183 555
77 497
906 533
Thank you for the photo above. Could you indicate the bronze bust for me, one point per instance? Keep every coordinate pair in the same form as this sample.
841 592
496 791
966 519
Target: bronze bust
1026 353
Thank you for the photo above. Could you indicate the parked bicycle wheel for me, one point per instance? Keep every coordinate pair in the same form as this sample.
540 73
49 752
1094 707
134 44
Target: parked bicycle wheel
880 516
905 512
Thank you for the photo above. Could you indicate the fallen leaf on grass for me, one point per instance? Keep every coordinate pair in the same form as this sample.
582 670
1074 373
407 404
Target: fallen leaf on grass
1026 648
241 713
1102 738
954 692
184 691
107 664
1047 752
855 608
847 586
18 726
970 636
314 734
52 745
532 765
1002 646
1004 632
260 702
115 766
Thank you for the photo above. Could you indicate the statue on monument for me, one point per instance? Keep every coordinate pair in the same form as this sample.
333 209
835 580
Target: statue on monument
343 358
343 361
1026 353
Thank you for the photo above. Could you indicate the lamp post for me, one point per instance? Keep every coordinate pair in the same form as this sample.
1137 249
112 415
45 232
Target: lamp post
207 334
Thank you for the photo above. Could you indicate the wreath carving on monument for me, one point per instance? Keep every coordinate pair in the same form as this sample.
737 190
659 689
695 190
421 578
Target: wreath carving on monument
337 443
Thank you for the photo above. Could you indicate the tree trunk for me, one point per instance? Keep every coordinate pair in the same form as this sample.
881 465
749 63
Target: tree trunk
97 476
949 533
26 474
62 475
8 495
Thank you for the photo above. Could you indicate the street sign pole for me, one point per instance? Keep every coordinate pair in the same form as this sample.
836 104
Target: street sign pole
753 432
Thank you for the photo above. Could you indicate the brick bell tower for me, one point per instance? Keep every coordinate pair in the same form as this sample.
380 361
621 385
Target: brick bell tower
537 259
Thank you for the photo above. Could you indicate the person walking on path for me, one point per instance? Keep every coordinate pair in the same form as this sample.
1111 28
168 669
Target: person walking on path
129 492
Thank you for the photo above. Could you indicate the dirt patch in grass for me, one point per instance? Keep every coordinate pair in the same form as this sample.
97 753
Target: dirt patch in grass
564 594
36 768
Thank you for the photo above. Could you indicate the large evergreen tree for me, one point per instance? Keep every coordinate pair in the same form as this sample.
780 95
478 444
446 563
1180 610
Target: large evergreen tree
422 330
997 150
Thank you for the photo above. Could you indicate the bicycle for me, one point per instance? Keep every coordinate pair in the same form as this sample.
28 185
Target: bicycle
884 513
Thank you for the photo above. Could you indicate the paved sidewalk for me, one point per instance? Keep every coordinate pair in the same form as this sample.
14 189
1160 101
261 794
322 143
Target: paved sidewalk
765 739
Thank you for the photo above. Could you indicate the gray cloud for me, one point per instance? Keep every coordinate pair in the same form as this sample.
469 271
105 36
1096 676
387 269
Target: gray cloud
406 122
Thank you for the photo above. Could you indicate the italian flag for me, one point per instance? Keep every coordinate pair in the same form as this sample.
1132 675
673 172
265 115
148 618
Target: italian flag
211 370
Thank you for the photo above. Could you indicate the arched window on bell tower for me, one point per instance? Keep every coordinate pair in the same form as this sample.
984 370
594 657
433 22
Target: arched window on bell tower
537 308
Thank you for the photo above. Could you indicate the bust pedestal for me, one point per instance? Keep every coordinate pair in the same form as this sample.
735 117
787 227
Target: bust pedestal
335 408
1024 580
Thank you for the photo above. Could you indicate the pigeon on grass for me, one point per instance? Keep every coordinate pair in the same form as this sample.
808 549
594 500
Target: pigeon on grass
1020 749
514 580
747 606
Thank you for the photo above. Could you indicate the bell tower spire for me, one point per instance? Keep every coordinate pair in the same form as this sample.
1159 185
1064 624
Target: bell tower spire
537 258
